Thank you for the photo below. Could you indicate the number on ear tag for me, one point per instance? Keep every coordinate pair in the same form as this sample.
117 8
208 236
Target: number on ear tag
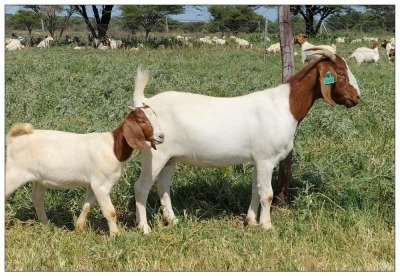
328 78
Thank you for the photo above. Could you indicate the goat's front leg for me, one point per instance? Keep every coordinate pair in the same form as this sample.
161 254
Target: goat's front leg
102 193
151 167
261 193
264 176
251 218
37 197
90 199
163 185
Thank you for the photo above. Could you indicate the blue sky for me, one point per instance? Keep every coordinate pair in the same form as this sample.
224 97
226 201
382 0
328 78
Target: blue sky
191 14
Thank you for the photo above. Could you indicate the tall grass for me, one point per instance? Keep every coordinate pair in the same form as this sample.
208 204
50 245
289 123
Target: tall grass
340 215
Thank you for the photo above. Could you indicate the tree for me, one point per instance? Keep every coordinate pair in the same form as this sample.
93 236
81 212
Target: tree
383 14
68 10
147 16
310 12
235 18
53 16
48 14
365 19
102 21
24 19
345 22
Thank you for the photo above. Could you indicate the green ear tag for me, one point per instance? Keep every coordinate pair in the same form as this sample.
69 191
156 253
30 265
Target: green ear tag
328 78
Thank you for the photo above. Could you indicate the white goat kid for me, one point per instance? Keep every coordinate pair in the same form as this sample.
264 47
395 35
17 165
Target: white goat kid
213 132
64 160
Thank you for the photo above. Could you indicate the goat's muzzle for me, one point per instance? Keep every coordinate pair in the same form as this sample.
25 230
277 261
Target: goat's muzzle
352 102
159 140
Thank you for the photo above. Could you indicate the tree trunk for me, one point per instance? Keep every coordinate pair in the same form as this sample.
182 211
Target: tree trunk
82 10
310 22
286 39
102 22
102 26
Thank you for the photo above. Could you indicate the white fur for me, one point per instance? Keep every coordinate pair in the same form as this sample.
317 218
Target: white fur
212 132
13 44
274 48
242 43
45 43
364 54
64 160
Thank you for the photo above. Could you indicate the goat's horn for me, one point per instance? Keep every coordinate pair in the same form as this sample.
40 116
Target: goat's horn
322 51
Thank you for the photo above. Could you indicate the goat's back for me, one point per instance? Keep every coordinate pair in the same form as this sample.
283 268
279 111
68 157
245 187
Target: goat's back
216 131
62 157
364 54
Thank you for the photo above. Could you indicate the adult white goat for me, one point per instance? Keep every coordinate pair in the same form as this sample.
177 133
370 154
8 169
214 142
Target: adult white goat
64 160
13 44
368 55
259 128
242 43
305 45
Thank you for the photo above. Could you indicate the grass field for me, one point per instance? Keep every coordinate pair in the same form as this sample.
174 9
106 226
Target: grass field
341 211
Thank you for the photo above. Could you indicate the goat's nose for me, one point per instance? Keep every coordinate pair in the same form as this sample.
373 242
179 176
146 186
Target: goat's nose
161 136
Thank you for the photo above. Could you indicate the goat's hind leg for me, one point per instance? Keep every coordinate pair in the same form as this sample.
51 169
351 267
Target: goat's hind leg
90 199
15 180
163 184
37 197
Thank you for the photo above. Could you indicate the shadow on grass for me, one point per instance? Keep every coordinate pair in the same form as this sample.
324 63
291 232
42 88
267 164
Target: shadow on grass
203 197
59 213
206 197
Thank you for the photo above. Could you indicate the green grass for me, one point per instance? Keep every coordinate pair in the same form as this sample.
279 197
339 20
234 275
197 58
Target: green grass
340 215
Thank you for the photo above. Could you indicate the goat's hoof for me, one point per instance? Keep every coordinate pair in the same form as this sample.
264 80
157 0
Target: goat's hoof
144 228
80 226
113 233
250 222
266 226
173 221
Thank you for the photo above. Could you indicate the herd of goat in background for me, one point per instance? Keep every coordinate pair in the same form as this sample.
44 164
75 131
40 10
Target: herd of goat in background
360 55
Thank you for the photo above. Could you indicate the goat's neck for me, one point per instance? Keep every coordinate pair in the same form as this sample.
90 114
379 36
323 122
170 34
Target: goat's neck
121 148
303 93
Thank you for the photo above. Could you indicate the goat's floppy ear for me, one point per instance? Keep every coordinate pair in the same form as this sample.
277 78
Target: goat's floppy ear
327 80
133 134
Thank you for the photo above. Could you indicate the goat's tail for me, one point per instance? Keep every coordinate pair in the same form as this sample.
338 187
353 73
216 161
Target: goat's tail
19 129
141 80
